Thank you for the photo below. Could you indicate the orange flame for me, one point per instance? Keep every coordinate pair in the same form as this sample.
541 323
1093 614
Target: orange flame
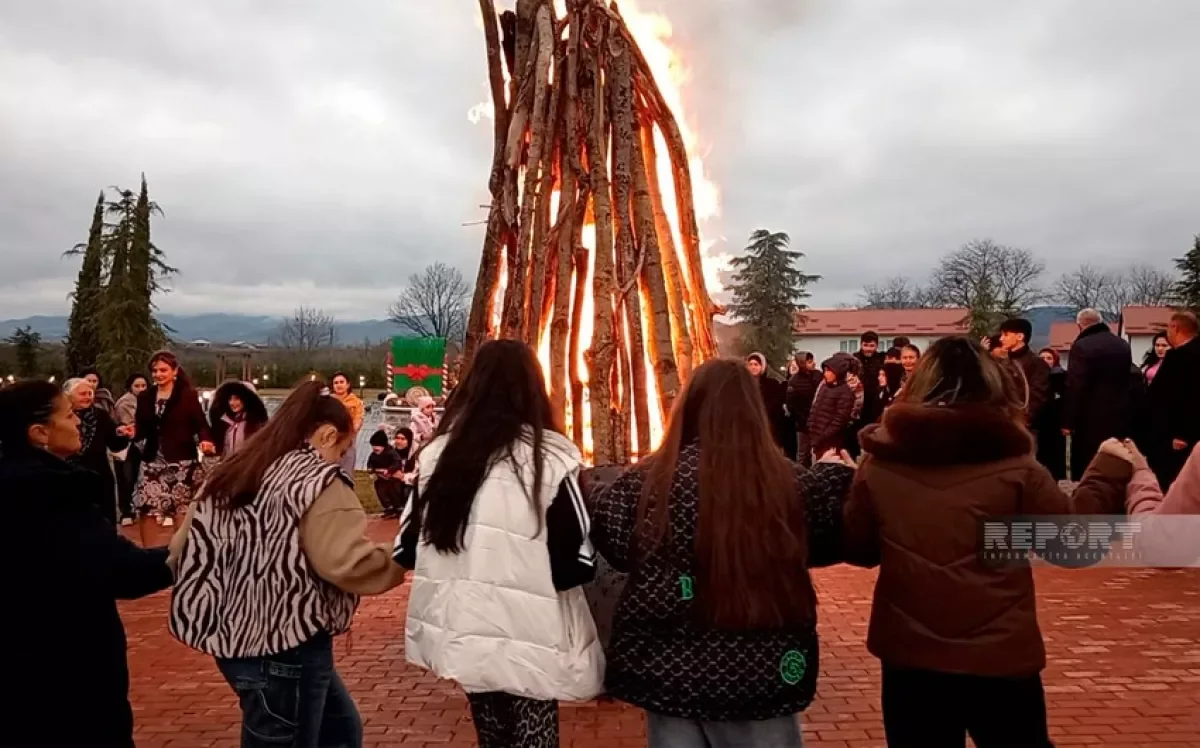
654 35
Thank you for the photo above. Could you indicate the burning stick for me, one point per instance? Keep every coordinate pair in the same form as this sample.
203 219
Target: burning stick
577 130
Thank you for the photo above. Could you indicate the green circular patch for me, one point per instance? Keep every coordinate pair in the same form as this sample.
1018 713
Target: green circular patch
792 667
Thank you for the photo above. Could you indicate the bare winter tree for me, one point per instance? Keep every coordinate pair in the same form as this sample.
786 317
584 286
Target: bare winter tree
435 304
1087 288
1112 290
992 280
897 292
1148 286
308 329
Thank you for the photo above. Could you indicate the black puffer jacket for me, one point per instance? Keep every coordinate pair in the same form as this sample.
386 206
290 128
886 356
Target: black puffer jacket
832 409
660 658
801 389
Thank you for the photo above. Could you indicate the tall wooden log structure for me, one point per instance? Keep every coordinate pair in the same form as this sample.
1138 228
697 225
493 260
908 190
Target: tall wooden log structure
576 114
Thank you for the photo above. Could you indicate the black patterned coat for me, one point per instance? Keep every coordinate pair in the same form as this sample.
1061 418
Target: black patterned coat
660 658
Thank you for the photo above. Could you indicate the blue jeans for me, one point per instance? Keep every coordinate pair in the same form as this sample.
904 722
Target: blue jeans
294 699
673 732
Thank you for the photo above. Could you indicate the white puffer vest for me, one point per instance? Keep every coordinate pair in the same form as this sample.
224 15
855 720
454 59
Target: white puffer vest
489 617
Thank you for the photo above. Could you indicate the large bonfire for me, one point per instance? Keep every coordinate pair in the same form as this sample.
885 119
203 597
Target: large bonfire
593 249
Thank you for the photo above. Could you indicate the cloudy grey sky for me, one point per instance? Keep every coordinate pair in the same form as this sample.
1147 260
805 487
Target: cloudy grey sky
319 152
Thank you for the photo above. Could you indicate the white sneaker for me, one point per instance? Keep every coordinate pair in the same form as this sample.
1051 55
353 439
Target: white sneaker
168 522
126 522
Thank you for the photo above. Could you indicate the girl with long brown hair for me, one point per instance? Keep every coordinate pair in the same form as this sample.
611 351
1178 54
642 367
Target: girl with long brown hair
957 634
273 558
715 632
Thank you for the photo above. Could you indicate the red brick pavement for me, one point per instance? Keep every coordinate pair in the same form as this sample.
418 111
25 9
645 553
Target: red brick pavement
1124 671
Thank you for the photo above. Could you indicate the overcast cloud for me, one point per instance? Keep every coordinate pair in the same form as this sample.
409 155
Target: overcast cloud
319 152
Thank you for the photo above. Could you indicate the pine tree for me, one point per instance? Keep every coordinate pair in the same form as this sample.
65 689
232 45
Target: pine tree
29 347
769 290
146 270
1187 288
83 329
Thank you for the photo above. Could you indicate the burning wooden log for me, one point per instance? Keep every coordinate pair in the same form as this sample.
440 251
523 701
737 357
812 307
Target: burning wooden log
581 258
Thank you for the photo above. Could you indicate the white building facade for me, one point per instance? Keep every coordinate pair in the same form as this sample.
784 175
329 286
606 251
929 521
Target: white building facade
824 332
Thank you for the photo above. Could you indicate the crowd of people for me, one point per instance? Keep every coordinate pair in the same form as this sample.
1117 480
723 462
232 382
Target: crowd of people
881 459
827 408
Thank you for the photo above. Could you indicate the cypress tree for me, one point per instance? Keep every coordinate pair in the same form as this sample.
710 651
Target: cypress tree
768 292
117 323
130 332
83 329
1187 288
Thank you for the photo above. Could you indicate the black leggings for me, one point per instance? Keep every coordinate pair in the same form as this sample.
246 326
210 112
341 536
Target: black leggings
930 709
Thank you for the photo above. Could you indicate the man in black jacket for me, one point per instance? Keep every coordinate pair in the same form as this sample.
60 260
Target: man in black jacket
1098 390
871 361
1014 336
801 389
1174 401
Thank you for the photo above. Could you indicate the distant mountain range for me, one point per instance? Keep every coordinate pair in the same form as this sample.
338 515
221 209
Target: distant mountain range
217 328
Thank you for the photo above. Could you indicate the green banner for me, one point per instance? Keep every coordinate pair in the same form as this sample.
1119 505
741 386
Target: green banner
417 362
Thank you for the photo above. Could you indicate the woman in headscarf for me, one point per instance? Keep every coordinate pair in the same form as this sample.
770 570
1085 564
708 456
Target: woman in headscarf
236 414
774 397
98 433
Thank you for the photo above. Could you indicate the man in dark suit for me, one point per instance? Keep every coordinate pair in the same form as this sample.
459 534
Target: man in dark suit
1098 403
1174 401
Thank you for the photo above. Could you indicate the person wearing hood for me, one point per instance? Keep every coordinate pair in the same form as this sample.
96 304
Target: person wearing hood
957 633
104 398
801 389
774 398
498 539
98 434
236 414
424 422
65 651
833 406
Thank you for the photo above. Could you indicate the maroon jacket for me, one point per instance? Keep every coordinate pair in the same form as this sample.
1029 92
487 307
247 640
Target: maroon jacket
172 436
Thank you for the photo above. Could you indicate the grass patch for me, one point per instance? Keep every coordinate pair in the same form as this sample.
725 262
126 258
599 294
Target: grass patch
364 486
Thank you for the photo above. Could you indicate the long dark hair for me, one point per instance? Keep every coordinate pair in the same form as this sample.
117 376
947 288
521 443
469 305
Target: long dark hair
501 400
235 482
129 380
1151 357
183 383
751 539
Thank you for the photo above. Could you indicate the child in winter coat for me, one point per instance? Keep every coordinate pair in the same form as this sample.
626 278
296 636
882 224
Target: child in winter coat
385 462
833 407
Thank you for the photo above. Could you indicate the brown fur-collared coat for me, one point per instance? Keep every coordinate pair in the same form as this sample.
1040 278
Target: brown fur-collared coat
930 474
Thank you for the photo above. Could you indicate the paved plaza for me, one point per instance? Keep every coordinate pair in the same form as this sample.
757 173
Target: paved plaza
1124 647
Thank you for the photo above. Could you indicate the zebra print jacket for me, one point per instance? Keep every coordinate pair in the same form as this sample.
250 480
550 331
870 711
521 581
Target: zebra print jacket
245 587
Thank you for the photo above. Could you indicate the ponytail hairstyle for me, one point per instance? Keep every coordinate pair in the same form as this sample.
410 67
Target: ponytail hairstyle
236 481
183 383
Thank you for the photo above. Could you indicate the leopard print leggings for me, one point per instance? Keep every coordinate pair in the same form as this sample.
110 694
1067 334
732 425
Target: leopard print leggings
506 721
